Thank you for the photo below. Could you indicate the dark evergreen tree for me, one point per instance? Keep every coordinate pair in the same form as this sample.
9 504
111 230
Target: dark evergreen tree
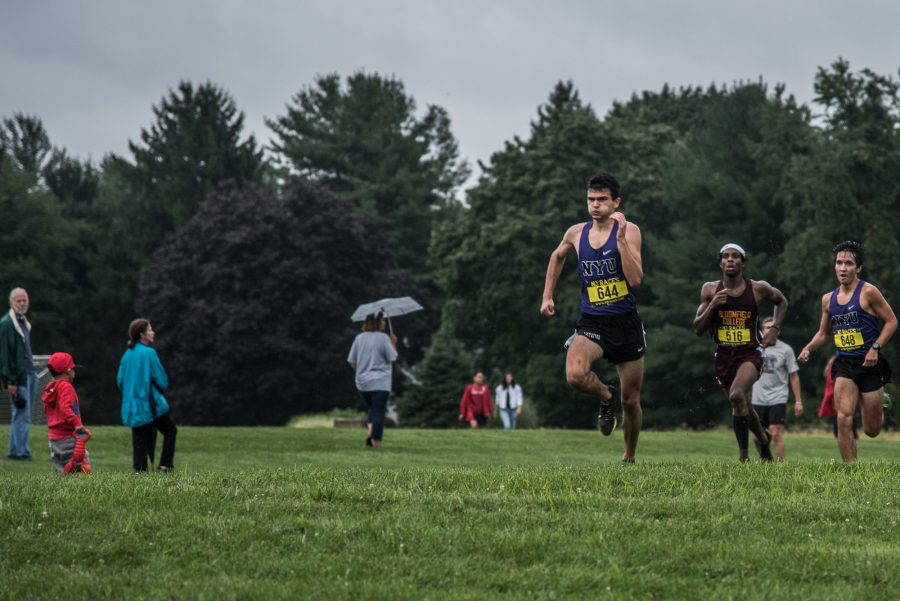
194 144
251 302
364 141
433 401
24 140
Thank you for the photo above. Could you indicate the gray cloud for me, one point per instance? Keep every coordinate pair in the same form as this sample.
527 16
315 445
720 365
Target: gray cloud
92 69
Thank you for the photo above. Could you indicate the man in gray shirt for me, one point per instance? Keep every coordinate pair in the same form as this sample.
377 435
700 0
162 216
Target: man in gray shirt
770 392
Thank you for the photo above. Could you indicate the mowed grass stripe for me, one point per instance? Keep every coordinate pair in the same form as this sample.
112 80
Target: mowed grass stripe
272 513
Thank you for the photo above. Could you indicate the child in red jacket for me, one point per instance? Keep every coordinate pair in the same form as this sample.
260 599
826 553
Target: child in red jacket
63 419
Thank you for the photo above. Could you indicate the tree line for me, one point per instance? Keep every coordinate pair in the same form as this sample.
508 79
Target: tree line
249 260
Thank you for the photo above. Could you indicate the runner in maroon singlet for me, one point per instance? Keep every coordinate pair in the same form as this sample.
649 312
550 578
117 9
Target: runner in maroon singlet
728 310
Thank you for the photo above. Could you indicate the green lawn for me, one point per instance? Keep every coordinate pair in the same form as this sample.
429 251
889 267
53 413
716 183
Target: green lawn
282 513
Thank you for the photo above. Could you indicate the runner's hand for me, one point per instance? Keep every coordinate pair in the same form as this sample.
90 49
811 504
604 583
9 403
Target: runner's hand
803 357
770 338
619 217
871 358
798 408
548 308
719 299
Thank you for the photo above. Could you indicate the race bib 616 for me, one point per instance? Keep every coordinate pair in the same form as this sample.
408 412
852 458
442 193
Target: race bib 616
733 335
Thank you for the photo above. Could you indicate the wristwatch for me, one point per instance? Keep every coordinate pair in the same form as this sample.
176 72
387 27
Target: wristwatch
876 346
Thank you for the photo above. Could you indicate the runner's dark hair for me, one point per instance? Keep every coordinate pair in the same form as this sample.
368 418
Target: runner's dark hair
600 181
850 246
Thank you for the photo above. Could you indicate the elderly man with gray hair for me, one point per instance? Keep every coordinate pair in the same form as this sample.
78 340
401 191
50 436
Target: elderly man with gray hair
17 373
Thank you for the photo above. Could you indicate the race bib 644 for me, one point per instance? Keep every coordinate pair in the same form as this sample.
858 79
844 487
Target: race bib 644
604 292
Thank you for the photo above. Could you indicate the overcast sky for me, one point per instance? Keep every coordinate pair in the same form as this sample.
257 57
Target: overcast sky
91 69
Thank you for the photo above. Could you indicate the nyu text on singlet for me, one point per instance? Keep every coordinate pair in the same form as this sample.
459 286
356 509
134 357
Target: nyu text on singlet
854 330
604 290
734 324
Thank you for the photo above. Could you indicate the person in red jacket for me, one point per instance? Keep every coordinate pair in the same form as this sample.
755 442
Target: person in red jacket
476 404
63 415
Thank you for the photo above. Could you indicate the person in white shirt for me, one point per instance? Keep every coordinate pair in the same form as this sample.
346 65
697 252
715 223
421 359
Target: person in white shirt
508 400
770 391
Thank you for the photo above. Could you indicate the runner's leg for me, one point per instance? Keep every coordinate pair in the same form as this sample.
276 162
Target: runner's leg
872 412
582 355
740 395
777 431
846 395
631 376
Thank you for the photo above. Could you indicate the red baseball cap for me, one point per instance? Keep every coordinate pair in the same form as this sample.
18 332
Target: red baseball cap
61 362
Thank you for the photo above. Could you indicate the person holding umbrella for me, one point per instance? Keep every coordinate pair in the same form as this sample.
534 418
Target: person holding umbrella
371 356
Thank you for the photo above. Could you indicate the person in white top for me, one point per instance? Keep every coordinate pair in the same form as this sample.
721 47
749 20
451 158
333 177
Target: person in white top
508 401
770 391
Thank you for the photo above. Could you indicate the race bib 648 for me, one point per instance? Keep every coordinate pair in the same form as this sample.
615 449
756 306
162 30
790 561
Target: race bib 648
848 340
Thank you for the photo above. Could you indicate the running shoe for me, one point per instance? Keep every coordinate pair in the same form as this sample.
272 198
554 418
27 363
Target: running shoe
888 401
606 421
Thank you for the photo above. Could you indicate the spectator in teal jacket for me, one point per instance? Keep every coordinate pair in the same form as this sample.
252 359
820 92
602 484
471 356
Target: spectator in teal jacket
142 380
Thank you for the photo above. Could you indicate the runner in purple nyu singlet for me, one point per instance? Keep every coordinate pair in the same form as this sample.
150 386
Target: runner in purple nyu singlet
604 290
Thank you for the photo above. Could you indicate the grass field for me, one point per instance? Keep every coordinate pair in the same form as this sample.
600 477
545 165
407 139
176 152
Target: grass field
283 513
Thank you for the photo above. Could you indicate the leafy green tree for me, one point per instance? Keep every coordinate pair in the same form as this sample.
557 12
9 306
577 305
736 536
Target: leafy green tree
722 182
698 168
364 141
251 301
491 259
846 188
35 251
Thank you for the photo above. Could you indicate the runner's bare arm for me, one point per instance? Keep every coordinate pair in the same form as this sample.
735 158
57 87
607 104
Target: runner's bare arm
795 388
628 241
554 268
878 306
772 294
709 301
821 336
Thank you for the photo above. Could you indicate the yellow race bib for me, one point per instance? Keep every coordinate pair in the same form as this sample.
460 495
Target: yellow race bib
604 292
733 336
848 340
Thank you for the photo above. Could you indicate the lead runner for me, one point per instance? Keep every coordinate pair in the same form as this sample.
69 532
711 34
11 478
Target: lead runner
729 310
609 260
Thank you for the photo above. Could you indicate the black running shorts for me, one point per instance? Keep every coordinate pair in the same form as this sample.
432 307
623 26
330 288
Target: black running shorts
621 337
771 415
868 379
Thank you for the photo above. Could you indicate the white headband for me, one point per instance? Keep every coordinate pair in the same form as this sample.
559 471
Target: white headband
736 247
